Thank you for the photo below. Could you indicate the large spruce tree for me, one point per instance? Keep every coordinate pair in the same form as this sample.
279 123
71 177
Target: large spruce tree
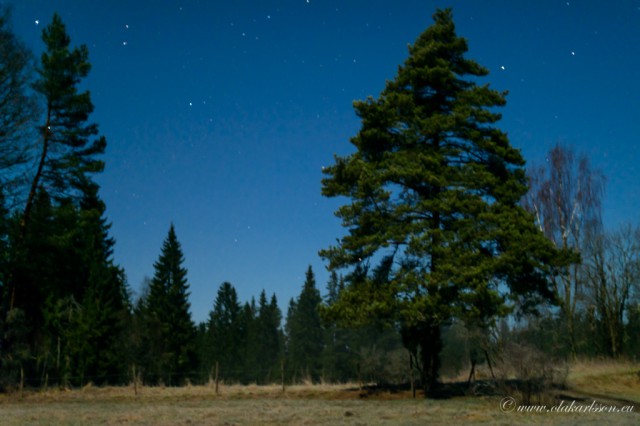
435 188
167 318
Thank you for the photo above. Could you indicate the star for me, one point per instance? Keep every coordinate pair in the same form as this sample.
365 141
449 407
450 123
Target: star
37 22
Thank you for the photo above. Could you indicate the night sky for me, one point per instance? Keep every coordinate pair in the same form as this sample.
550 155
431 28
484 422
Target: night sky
220 115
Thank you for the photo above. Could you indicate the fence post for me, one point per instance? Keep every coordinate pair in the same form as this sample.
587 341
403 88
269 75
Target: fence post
21 380
217 376
135 380
413 385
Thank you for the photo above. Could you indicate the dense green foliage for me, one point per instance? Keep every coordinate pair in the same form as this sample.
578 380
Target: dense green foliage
435 190
244 344
63 300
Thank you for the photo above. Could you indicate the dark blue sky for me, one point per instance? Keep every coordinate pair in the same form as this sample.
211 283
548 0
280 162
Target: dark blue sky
220 115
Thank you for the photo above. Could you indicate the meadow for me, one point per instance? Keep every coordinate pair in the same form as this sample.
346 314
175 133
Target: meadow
613 384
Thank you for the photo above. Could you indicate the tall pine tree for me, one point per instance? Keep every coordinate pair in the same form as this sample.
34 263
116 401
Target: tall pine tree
65 154
66 150
435 190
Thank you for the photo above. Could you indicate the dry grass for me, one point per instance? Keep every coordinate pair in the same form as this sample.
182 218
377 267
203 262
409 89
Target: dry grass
613 379
301 405
235 405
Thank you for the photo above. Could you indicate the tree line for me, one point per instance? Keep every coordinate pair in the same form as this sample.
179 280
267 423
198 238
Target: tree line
454 248
68 316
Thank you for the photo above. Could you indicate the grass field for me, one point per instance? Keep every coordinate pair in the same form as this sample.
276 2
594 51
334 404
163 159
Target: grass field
617 380
609 383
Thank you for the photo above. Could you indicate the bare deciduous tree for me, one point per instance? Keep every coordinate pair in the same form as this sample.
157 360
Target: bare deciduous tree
613 273
566 198
17 108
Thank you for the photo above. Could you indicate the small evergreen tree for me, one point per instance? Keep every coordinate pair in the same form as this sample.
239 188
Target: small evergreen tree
305 335
167 317
248 339
268 339
225 331
339 360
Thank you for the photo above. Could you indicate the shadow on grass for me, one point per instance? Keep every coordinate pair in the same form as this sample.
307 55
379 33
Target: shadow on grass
527 392
489 387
